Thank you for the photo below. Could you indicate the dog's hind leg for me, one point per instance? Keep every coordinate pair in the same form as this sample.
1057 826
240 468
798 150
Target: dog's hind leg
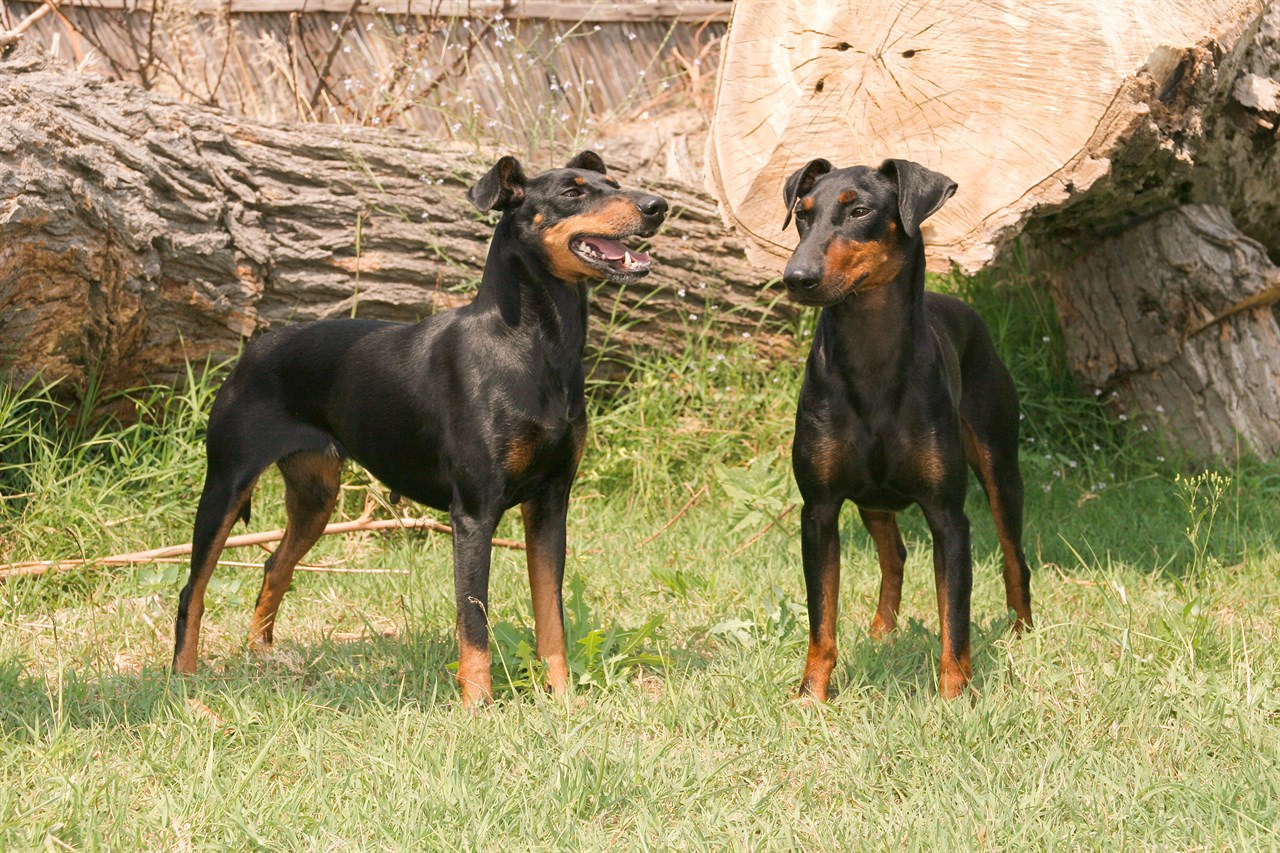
224 500
311 481
997 467
883 527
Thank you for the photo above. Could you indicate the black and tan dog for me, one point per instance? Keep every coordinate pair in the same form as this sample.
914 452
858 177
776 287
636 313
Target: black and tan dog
901 390
474 410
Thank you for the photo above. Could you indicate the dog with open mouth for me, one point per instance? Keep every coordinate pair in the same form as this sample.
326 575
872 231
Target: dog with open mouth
471 411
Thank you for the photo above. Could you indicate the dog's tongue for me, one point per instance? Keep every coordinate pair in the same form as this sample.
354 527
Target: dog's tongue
613 250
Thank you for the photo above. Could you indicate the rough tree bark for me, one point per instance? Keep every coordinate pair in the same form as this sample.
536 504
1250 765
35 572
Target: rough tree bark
1077 125
137 232
1181 230
1167 317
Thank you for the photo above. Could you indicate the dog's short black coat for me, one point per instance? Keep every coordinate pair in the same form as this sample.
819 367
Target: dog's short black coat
471 411
902 388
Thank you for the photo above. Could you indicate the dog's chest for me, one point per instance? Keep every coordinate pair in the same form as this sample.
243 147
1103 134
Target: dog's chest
545 446
876 464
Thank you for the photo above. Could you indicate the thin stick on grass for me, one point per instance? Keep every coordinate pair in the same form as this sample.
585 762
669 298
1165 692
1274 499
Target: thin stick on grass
39 567
689 503
762 531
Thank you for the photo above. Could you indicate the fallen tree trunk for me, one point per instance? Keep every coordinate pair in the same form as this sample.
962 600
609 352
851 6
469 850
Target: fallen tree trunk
137 233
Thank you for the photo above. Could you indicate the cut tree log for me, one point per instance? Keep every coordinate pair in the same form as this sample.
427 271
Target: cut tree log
1068 124
1019 104
137 233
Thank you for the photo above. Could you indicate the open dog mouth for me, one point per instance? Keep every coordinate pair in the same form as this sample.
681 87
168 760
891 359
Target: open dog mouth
609 255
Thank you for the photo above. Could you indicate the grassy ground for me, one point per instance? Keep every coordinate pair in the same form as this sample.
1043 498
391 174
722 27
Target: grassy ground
1143 712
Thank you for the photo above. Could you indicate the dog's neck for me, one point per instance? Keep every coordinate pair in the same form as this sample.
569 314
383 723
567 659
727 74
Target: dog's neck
517 288
874 336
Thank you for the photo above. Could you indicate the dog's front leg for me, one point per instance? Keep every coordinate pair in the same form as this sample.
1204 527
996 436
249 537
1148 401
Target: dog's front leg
820 548
953 577
472 547
544 533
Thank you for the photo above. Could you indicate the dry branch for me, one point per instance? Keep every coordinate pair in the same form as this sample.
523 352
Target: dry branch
679 514
364 523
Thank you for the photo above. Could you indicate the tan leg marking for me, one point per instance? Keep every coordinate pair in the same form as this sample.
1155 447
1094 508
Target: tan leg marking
548 615
312 481
188 653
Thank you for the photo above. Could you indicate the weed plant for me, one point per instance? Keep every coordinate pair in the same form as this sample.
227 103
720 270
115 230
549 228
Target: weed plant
1141 713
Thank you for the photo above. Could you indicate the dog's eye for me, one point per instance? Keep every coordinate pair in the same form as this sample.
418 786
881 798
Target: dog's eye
859 212
573 192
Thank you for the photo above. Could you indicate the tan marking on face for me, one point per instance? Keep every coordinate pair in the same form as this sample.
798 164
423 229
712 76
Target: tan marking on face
615 216
847 261
806 203
580 181
848 196
538 218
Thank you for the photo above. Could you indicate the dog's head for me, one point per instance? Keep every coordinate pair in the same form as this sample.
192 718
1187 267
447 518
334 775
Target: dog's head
858 226
576 217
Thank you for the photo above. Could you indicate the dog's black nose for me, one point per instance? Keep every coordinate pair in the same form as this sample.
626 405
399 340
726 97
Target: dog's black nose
652 205
801 279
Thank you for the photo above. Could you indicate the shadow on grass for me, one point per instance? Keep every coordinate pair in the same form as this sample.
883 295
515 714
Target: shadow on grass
349 676
905 664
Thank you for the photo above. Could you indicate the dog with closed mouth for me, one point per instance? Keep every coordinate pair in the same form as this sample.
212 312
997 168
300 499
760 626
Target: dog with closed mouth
902 391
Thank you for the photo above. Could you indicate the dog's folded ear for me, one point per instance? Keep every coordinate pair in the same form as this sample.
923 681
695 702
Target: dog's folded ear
502 187
921 192
800 182
588 160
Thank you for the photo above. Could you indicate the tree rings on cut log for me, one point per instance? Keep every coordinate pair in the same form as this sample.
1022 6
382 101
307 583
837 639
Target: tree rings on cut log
1019 103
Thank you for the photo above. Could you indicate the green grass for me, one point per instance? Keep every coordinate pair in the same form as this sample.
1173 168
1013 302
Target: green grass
1143 712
